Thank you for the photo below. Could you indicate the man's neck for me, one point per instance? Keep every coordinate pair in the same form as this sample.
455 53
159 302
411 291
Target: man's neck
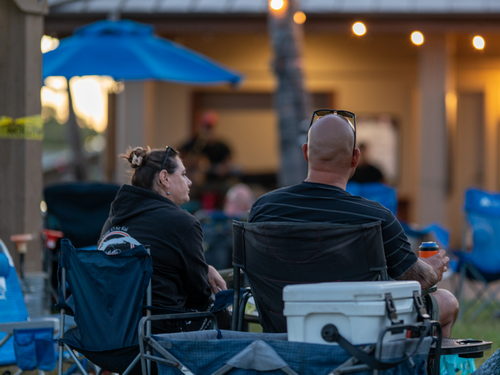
327 178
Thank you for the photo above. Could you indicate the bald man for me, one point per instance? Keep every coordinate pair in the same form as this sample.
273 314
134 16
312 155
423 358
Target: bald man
332 159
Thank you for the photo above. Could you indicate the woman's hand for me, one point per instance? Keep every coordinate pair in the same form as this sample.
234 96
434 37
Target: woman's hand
215 280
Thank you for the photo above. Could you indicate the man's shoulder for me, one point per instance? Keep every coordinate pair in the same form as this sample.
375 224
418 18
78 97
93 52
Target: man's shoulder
277 192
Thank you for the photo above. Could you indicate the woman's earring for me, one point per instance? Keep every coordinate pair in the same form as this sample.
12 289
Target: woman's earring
169 193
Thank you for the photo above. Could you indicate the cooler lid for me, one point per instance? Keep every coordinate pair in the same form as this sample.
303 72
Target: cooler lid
349 291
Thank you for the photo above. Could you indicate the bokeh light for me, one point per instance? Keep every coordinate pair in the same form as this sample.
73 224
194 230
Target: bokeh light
359 28
276 4
299 17
48 43
478 42
417 38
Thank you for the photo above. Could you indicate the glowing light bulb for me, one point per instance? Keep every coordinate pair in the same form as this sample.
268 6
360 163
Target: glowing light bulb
299 17
48 43
478 42
276 4
417 38
359 28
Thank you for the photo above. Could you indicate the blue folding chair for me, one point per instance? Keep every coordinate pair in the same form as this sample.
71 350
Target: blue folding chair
106 296
217 238
482 263
27 344
387 197
376 191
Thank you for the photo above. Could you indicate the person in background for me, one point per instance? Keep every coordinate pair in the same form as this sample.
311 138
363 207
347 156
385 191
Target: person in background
209 162
366 171
239 200
148 212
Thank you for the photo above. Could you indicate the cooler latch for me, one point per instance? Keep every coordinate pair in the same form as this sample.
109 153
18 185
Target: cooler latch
419 305
391 309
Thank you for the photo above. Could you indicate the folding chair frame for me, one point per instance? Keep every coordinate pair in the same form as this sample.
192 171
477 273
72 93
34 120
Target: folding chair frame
147 343
480 293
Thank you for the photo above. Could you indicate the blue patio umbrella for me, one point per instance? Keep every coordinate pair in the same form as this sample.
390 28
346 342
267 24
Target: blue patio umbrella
127 50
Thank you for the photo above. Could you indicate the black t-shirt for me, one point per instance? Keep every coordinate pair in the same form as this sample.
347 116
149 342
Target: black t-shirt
313 202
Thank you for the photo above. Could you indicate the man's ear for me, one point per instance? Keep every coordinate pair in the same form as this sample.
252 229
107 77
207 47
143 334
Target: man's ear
304 151
355 157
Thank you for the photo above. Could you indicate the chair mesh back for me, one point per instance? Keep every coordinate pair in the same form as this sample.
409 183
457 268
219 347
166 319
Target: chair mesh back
79 210
274 255
108 293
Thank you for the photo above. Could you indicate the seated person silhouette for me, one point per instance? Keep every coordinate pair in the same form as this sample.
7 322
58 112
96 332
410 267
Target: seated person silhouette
332 158
217 225
366 171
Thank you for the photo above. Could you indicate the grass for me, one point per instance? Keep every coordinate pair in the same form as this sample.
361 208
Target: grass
485 327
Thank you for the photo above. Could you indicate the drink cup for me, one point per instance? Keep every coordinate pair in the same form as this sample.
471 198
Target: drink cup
428 249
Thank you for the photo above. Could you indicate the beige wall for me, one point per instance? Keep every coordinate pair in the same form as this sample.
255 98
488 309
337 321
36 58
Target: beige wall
367 81
173 114
379 74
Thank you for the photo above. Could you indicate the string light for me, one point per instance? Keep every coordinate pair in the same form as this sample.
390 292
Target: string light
478 42
359 28
417 38
299 17
48 43
276 4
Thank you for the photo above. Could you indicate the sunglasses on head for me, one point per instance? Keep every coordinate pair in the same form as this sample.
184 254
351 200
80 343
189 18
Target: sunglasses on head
348 116
169 152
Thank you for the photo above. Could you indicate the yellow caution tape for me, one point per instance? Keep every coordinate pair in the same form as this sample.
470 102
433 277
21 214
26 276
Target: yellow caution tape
30 127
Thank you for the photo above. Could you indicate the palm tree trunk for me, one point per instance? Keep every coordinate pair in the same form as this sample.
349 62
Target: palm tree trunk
291 98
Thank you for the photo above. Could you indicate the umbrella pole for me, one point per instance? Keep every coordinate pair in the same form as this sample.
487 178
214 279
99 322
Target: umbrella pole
78 167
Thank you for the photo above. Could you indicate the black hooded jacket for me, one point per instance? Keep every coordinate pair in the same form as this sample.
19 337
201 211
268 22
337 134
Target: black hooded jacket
174 238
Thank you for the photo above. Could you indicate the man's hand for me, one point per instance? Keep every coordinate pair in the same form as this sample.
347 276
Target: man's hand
215 280
439 263
427 271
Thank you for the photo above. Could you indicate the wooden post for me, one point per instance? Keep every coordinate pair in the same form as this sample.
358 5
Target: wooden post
21 28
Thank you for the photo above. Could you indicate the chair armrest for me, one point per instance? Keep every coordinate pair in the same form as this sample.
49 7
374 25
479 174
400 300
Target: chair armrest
9 327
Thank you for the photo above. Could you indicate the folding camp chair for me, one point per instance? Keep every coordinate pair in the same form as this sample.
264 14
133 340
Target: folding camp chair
107 300
387 197
482 263
219 352
217 238
27 344
107 292
78 210
375 191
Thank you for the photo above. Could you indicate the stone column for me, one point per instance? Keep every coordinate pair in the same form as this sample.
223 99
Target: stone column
21 28
436 74
133 122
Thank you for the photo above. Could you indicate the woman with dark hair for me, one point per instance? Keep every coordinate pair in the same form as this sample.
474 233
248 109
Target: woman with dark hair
148 212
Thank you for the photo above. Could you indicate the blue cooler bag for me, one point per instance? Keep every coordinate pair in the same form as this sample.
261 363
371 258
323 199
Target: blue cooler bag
35 349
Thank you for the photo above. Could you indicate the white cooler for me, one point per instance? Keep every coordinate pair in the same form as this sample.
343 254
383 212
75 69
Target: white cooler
357 309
